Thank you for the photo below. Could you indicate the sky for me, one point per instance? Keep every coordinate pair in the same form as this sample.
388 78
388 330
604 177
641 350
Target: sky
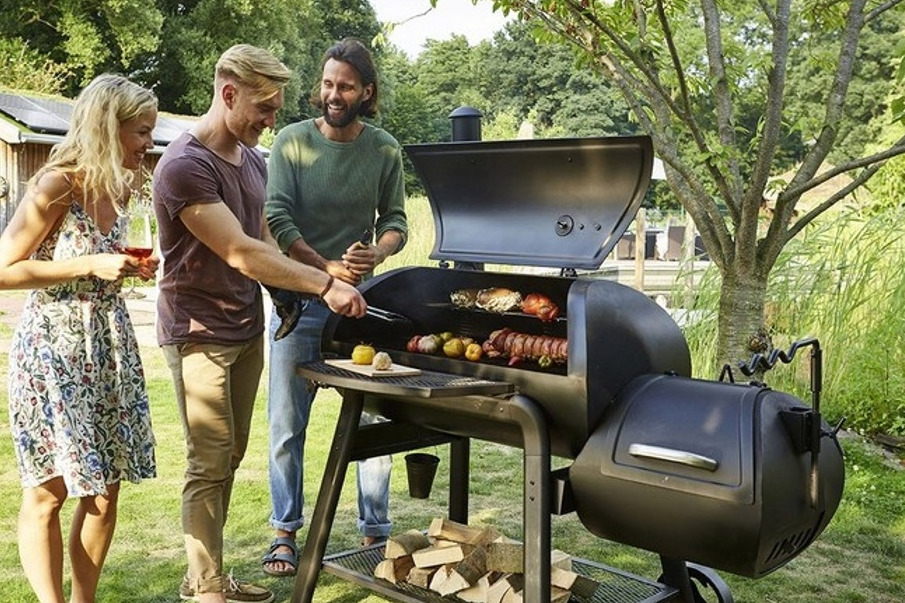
451 17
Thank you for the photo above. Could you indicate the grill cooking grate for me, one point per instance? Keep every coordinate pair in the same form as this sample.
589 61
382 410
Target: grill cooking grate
614 586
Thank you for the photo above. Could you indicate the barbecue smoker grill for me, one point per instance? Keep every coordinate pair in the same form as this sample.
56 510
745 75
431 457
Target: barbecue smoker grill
707 474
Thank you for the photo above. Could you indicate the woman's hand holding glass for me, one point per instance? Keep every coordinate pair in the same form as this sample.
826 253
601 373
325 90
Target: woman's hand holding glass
139 239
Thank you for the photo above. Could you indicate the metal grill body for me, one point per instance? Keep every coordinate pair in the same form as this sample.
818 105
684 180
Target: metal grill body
699 472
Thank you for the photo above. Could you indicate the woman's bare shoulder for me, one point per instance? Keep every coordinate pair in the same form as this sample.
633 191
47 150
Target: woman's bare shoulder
53 187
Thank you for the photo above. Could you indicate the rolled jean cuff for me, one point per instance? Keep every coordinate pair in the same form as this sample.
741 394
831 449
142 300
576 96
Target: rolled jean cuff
375 530
287 526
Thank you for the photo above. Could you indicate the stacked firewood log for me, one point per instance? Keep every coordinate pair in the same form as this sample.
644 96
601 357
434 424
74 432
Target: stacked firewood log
473 564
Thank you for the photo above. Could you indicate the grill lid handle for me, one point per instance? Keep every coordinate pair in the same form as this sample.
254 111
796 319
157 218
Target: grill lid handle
671 455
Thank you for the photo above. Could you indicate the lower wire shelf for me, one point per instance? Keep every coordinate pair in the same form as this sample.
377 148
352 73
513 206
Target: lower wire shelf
615 586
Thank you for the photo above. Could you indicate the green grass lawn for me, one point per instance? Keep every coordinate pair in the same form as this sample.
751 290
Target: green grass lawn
860 557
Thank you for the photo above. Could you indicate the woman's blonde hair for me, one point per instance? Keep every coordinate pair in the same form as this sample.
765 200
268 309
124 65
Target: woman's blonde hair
255 68
91 150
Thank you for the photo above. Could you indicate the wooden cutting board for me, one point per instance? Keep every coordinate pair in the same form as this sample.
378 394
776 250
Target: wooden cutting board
396 370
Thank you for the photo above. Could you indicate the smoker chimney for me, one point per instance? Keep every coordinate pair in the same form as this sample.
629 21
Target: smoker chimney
466 127
466 124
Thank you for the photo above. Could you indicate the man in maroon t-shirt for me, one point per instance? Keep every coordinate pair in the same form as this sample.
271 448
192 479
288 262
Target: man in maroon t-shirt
209 194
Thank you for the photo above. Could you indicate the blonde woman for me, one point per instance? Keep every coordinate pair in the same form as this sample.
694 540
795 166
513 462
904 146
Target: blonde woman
77 401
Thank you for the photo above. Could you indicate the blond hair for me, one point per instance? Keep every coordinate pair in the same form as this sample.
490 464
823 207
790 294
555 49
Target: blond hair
255 68
91 149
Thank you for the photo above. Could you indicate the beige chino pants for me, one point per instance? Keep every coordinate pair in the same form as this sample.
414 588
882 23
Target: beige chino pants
215 388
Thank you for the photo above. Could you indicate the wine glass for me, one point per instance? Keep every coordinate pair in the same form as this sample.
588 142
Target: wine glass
139 241
139 237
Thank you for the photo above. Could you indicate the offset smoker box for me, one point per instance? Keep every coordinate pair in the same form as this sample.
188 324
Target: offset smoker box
707 472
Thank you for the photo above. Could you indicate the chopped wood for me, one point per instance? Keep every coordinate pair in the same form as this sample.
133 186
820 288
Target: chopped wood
476 564
421 576
447 529
453 584
488 534
405 544
561 560
473 566
438 555
440 576
581 586
559 595
477 593
498 589
505 557
512 596
516 581
394 570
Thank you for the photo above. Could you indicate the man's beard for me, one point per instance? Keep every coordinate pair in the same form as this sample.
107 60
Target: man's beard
345 118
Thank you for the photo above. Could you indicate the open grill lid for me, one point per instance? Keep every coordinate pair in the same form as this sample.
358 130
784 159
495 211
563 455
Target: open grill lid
559 203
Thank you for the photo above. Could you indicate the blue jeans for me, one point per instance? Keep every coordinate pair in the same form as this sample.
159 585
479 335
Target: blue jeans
288 409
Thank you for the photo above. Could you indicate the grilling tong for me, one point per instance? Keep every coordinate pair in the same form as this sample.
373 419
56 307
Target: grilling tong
379 313
386 315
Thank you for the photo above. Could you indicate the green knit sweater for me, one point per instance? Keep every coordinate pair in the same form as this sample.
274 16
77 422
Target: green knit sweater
329 192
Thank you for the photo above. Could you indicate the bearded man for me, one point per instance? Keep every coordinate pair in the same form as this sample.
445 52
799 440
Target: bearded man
330 179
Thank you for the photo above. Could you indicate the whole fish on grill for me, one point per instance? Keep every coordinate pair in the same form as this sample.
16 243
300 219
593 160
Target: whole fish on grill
499 300
493 299
464 298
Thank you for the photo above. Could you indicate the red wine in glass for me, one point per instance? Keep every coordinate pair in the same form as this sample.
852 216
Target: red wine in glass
138 252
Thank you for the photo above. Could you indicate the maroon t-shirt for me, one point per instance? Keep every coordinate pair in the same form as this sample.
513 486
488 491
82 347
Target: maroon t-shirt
201 298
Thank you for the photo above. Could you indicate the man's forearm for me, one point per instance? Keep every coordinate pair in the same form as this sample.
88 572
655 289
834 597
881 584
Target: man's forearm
300 251
387 245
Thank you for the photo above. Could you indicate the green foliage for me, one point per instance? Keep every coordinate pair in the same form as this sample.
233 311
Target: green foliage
449 75
843 284
23 68
182 68
887 187
504 126
811 73
542 82
172 47
85 37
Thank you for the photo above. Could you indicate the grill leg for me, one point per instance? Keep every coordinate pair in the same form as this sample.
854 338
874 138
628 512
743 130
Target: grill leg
675 574
328 496
682 575
536 504
459 477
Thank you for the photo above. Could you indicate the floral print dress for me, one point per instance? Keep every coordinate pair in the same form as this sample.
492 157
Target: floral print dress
77 400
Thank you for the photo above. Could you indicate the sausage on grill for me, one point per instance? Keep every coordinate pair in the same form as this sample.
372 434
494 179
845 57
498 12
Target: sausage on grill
506 343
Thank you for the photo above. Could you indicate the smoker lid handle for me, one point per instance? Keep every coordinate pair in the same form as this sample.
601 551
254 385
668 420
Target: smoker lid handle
683 457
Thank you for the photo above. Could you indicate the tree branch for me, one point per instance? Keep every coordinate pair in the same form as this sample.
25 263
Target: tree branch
877 158
806 219
768 10
882 8
835 104
722 95
776 83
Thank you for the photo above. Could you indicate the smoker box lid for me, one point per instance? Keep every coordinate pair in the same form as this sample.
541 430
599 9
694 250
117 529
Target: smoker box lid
559 203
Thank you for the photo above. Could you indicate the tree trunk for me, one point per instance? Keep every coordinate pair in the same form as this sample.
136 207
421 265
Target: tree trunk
742 332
